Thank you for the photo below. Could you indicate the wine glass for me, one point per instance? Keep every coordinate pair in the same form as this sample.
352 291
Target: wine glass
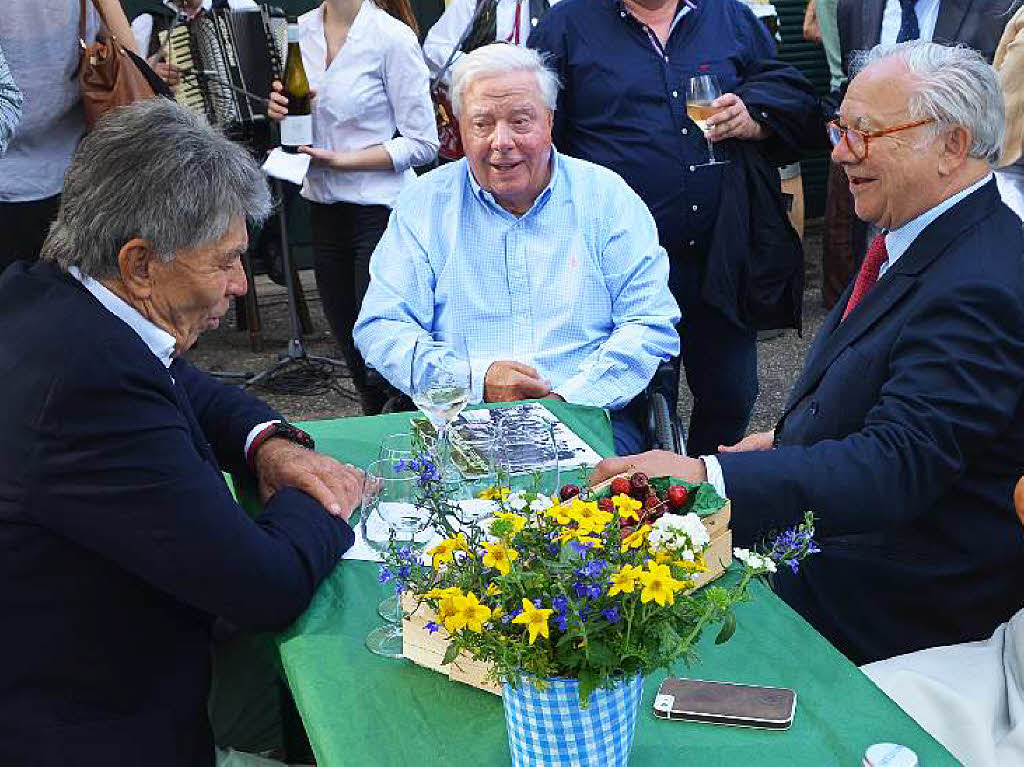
530 454
440 383
391 518
394 447
700 94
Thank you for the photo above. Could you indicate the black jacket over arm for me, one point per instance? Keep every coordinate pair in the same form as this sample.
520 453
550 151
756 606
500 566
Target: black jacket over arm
120 541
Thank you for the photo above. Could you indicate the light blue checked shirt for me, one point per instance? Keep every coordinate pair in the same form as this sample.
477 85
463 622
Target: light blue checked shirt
10 104
577 287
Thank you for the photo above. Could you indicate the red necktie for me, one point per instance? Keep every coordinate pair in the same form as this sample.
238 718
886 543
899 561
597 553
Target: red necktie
868 274
517 24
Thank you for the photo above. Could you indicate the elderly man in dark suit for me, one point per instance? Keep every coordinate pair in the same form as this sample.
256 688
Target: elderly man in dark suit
121 541
905 432
863 24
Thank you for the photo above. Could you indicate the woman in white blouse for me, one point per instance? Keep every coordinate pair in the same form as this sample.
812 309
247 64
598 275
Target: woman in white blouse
364 63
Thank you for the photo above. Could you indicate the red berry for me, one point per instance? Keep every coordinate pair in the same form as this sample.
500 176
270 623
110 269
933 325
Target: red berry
568 491
620 486
677 497
639 484
652 502
605 504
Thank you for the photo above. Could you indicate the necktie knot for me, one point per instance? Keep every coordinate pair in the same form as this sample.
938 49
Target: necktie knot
868 274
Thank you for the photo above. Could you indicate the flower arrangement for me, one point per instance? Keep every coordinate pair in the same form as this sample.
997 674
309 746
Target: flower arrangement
589 589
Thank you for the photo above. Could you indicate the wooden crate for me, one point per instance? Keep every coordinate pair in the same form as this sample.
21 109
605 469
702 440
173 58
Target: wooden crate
427 650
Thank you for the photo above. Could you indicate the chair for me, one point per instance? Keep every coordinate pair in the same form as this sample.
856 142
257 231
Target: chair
663 427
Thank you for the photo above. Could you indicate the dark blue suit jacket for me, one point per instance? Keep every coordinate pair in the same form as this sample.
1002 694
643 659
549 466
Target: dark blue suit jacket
119 540
905 435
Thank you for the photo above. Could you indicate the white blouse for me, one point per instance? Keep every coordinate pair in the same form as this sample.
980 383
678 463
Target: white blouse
376 84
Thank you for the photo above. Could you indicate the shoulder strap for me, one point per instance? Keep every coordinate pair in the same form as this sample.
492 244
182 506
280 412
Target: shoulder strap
477 13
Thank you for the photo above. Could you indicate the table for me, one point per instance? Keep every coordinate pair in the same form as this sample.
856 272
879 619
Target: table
360 709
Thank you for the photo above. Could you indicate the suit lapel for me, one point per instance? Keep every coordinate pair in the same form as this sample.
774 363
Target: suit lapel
951 18
871 21
835 336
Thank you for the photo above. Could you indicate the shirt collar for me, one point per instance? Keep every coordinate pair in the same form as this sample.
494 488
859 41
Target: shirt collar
159 341
898 241
486 197
683 7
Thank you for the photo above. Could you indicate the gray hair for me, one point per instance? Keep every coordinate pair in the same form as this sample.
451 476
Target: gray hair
953 86
499 58
157 171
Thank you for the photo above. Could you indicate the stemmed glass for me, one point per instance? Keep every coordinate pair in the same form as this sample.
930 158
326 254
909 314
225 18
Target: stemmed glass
700 94
440 383
391 517
394 447
530 455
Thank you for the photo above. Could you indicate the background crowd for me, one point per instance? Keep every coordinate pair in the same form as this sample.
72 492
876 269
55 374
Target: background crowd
584 242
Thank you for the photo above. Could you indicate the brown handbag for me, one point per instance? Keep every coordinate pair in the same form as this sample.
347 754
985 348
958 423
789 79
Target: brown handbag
110 77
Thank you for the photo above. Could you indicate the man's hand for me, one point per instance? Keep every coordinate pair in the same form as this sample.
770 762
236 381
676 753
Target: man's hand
733 120
653 463
337 486
761 440
508 381
169 73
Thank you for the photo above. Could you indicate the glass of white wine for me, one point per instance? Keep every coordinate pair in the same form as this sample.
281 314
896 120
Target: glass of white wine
700 94
440 383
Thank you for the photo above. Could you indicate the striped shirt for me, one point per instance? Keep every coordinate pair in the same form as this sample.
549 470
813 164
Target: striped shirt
577 287
10 103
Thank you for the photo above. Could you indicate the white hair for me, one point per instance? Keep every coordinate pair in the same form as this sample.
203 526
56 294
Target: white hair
500 58
953 86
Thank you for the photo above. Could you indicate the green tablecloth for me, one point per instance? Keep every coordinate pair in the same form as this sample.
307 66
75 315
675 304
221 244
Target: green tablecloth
360 709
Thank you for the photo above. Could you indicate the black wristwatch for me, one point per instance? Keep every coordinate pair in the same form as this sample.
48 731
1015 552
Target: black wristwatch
281 429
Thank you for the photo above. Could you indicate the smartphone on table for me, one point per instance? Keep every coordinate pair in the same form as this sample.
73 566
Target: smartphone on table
738 705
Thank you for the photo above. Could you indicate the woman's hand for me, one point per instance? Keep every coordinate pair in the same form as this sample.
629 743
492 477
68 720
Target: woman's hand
277 109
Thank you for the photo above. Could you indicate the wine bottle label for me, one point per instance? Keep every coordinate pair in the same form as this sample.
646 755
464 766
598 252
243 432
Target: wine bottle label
297 130
293 33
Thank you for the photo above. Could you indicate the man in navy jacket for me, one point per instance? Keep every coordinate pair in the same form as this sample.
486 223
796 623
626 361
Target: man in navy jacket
904 433
120 540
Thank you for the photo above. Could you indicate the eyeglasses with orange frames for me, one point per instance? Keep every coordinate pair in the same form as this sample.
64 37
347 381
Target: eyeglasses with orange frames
857 140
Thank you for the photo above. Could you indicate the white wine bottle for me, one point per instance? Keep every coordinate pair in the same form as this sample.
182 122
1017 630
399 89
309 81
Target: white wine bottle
297 126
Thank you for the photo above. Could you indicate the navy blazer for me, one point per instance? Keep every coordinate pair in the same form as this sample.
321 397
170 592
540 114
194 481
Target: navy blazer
905 435
119 539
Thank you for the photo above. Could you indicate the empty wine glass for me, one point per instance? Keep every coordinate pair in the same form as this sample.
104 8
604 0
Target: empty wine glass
700 95
390 518
440 383
530 453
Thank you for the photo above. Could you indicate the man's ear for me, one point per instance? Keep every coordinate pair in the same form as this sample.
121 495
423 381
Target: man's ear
135 260
954 150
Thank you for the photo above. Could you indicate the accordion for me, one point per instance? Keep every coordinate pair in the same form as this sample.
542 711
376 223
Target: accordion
226 57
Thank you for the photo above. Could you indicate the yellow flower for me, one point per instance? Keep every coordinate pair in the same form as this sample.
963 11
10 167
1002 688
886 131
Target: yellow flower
560 514
624 580
496 614
451 591
499 557
636 539
493 494
536 620
469 613
446 609
627 507
493 590
696 566
588 516
517 522
445 550
659 585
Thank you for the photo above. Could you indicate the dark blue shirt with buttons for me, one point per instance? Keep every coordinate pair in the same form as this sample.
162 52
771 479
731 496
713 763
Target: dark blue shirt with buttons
623 100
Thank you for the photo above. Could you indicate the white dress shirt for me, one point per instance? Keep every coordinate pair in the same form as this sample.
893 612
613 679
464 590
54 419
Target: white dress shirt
159 341
897 242
448 30
927 12
376 84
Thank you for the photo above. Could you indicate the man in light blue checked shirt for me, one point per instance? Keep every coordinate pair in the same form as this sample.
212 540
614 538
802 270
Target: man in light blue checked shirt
549 267
10 103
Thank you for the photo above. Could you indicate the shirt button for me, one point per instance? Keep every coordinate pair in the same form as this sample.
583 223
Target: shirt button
814 407
693 243
693 168
685 131
694 208
622 14
675 94
666 58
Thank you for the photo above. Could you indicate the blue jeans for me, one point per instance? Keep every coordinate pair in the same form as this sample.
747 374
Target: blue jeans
627 431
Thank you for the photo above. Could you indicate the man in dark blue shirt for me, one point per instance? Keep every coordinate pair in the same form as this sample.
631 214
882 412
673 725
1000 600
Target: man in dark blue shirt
625 69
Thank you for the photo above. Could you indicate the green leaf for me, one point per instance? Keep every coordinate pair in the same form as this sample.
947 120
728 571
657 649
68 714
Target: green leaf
589 681
728 629
450 654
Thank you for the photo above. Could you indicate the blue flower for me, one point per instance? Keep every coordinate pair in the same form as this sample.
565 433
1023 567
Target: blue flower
385 574
611 614
507 617
580 548
561 621
592 569
593 591
560 604
432 626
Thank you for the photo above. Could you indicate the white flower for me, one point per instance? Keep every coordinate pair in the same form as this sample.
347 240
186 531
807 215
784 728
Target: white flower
541 503
679 533
754 561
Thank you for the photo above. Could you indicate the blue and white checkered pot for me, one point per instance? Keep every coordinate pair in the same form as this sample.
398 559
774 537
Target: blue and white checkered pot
548 727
